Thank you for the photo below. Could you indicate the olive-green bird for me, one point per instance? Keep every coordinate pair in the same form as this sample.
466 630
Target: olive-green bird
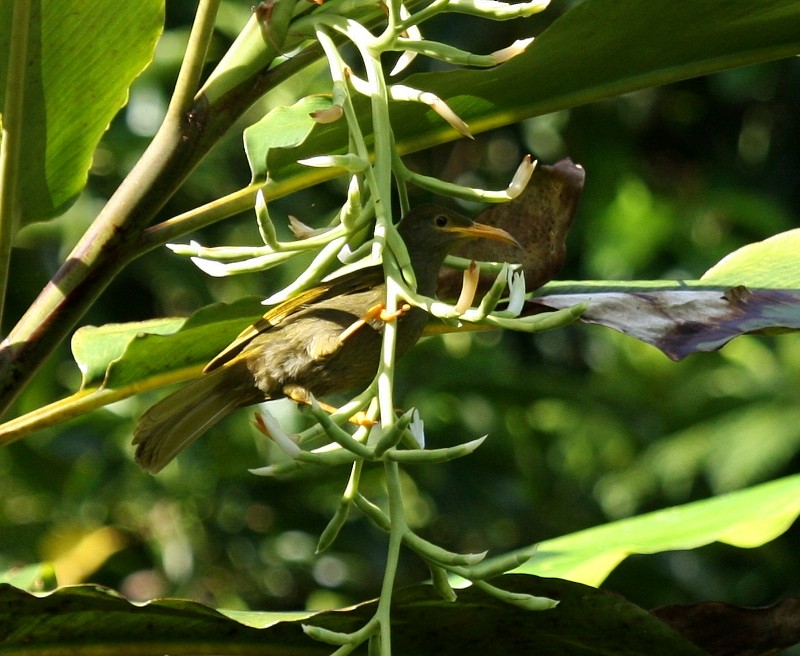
324 341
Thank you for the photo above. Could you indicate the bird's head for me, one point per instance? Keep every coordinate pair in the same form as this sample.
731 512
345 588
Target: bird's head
431 229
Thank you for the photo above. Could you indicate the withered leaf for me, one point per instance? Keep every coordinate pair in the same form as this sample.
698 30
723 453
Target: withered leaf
681 322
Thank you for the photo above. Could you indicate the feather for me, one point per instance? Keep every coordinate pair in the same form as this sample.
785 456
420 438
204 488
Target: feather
176 421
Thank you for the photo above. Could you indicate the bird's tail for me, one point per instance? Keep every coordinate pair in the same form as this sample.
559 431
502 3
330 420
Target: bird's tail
176 421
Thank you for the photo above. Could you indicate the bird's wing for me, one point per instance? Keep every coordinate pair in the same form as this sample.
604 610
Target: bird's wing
350 283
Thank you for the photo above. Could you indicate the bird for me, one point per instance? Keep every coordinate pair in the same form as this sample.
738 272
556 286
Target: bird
324 341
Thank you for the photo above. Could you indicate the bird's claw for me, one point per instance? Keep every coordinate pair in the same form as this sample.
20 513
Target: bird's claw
303 396
378 311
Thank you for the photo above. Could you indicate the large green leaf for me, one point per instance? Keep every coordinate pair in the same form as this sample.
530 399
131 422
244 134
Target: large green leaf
118 355
587 621
120 360
772 263
81 60
745 518
599 49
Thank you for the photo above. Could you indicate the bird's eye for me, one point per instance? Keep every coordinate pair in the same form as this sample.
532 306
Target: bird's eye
441 221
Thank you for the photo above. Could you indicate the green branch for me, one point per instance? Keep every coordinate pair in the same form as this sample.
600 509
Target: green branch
119 233
11 141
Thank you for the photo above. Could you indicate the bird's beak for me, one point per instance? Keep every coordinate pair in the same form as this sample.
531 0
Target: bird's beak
483 231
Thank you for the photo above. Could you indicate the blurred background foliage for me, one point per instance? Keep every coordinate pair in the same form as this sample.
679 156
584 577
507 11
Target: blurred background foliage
585 425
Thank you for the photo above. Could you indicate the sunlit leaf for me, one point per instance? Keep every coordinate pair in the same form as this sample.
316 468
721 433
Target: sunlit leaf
745 518
123 354
283 127
773 264
36 577
94 348
82 59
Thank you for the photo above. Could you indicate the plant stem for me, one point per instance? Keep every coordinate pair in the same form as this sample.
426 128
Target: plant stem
397 530
115 237
11 140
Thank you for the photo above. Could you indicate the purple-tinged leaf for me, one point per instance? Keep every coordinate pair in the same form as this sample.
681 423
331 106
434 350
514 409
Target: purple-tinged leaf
684 321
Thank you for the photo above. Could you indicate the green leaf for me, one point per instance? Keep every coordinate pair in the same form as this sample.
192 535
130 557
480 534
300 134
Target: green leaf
574 62
120 355
36 577
283 127
82 59
742 445
94 348
745 518
120 360
773 263
586 621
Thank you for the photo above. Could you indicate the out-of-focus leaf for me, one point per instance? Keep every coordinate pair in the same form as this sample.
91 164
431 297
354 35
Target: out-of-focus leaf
283 127
81 61
743 445
586 621
574 62
772 264
725 629
77 554
34 578
539 219
745 518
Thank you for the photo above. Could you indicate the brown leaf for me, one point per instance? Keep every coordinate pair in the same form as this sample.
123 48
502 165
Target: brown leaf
726 630
539 219
681 322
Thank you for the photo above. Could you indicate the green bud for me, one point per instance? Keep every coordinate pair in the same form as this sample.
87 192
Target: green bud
495 10
539 322
444 52
372 512
351 210
501 564
492 297
326 635
265 226
392 435
331 531
520 599
430 551
430 456
348 162
441 583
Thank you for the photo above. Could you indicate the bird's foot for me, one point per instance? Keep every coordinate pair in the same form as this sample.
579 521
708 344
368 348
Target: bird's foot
304 397
378 311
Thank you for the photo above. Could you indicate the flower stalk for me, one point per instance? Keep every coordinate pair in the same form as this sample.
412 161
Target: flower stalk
374 169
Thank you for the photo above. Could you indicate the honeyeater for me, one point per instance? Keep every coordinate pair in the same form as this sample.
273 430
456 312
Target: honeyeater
324 341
